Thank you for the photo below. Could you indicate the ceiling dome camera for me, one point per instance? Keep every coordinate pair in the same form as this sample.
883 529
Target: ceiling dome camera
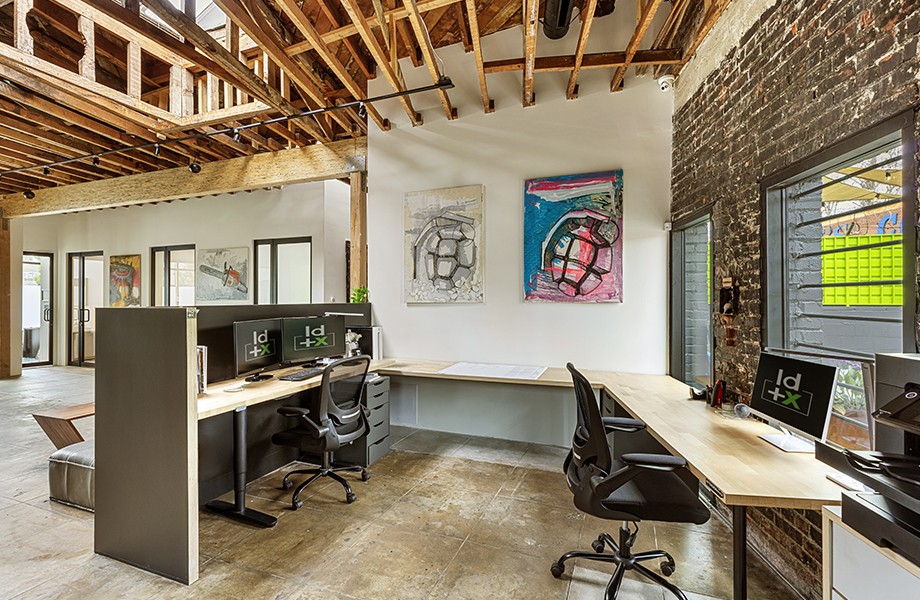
666 83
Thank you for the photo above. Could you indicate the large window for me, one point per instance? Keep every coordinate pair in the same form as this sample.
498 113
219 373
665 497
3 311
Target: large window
839 262
283 270
172 276
691 300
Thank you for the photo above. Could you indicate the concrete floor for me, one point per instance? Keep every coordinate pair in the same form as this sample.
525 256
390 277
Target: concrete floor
443 516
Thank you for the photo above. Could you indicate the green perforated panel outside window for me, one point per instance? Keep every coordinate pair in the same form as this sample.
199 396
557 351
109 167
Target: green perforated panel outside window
873 264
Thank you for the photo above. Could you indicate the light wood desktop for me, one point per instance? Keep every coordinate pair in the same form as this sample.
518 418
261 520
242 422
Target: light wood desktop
725 454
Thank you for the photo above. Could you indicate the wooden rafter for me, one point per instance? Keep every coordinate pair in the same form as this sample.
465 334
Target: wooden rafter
645 20
669 27
487 104
602 60
364 30
712 15
587 17
421 34
412 47
306 28
357 54
531 8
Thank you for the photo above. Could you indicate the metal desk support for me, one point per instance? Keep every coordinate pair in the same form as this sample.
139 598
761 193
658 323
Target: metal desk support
739 550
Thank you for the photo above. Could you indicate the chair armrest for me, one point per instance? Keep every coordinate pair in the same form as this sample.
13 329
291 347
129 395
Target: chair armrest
656 462
622 424
301 413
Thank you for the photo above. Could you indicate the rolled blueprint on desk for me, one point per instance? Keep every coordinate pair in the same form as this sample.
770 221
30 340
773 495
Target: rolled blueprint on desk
466 369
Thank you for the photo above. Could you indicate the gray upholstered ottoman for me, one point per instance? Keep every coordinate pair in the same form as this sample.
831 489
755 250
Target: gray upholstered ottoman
72 475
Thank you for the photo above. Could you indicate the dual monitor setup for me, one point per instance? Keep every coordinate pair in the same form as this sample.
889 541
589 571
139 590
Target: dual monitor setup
264 344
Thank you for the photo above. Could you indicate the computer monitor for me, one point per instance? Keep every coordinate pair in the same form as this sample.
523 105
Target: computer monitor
257 344
797 396
309 338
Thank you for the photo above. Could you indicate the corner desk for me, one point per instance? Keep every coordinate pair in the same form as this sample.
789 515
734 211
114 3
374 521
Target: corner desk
726 455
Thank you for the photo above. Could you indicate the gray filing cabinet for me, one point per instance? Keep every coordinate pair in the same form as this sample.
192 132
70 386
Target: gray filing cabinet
376 443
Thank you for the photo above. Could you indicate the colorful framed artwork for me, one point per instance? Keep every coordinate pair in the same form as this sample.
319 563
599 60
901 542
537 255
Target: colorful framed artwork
222 274
444 251
573 238
125 280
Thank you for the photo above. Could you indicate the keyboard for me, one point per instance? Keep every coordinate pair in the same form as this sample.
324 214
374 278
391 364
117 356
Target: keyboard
301 375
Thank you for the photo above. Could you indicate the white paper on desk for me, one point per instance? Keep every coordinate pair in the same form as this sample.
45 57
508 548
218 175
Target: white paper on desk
495 371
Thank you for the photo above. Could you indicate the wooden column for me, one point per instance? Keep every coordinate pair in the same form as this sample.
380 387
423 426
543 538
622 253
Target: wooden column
181 91
22 39
134 69
358 275
6 313
88 62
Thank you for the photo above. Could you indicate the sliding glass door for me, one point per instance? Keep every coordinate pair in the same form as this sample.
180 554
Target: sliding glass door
86 292
37 308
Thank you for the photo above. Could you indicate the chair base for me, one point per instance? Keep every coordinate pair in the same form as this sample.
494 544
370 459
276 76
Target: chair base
326 470
625 560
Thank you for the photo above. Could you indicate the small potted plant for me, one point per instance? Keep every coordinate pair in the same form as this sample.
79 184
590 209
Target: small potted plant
359 295
351 343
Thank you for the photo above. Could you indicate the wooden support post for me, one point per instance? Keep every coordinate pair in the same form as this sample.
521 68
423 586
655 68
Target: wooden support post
88 62
134 70
231 43
181 91
358 274
213 86
6 312
22 39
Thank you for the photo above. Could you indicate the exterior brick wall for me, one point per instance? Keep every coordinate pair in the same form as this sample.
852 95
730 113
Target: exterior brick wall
807 75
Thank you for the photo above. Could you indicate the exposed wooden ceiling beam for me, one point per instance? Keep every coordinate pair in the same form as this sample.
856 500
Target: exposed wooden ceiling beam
297 165
530 13
602 60
364 30
487 104
587 17
645 20
421 34
677 6
412 47
359 56
306 28
712 15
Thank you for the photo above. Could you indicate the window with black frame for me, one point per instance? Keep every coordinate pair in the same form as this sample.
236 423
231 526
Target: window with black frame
283 270
691 299
839 263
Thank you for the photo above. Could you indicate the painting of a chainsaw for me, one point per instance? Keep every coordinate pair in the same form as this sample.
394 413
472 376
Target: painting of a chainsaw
230 277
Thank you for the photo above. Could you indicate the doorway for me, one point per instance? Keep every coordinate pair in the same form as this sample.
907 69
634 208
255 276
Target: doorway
37 308
86 292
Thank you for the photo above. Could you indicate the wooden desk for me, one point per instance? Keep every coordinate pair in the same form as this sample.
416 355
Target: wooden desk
58 423
726 455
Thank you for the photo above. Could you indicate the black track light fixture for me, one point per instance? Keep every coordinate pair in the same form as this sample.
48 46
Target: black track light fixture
236 135
156 150
195 167
28 194
362 110
46 171
95 161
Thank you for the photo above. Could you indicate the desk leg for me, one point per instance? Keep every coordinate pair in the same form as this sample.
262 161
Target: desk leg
238 509
739 546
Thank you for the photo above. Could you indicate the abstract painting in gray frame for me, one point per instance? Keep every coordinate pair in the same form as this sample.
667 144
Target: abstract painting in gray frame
222 274
444 250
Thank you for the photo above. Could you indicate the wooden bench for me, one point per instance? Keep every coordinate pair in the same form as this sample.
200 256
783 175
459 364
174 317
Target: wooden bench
58 423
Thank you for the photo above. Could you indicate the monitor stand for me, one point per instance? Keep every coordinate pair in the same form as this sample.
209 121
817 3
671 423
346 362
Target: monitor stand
789 443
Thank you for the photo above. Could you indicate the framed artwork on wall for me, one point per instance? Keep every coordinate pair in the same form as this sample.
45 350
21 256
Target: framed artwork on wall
573 238
125 280
444 250
223 274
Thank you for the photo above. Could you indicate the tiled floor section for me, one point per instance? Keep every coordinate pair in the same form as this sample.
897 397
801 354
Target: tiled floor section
443 517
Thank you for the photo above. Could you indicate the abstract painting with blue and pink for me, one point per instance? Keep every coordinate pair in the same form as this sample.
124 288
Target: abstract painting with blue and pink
573 238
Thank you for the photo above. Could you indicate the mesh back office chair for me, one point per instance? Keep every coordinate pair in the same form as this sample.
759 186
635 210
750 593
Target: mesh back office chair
634 488
338 420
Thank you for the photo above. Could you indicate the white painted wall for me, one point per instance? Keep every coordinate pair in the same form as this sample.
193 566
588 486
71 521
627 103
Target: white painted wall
337 231
629 130
223 221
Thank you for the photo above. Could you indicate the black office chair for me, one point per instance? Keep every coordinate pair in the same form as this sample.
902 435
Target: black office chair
338 420
634 488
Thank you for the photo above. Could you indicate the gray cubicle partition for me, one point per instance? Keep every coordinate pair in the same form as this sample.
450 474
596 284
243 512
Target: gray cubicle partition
147 439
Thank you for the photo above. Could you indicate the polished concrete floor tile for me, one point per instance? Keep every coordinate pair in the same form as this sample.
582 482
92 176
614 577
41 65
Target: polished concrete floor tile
299 544
540 486
388 563
374 496
541 456
399 432
63 509
219 580
438 509
405 465
269 486
506 452
485 573
590 585
646 541
216 532
309 592
528 528
269 507
473 475
33 485
431 442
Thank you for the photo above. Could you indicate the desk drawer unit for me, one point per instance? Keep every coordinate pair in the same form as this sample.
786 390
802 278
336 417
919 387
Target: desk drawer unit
376 443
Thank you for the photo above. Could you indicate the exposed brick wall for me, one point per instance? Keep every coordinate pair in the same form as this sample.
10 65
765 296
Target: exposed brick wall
807 75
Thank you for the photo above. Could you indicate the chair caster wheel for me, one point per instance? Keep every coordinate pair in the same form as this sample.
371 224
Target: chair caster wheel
296 504
350 498
365 475
557 569
598 546
286 485
667 568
